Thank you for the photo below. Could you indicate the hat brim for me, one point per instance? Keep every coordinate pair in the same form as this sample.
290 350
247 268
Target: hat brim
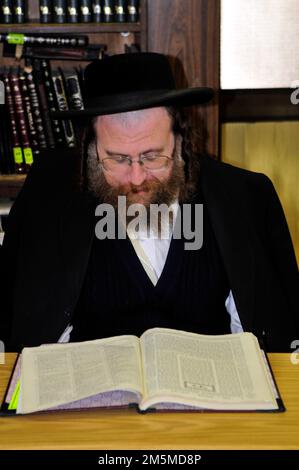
140 100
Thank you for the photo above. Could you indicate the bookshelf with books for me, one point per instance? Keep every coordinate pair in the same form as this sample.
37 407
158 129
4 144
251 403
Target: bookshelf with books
30 49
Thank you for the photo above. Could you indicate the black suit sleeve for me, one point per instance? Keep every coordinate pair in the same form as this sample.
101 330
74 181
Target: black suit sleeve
9 257
10 250
50 178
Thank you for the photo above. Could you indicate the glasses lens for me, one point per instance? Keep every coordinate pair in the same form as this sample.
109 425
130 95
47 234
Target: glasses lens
155 162
116 165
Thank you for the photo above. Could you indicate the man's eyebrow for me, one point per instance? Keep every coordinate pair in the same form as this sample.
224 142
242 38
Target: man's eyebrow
156 150
112 154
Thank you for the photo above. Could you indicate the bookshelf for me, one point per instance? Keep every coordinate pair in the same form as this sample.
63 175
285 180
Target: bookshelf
188 30
116 36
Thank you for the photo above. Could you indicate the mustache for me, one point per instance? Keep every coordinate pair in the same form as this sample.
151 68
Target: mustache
131 188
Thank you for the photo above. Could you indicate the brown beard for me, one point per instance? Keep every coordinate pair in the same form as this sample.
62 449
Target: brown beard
162 192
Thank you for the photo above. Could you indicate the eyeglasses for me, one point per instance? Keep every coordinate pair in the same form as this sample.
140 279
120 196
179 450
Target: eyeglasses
121 164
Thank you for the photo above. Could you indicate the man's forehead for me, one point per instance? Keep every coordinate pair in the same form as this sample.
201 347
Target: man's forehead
134 118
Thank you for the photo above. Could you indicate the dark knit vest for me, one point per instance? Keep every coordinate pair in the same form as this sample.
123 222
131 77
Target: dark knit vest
119 298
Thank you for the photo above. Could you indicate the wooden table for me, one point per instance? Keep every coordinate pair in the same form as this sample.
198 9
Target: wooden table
126 429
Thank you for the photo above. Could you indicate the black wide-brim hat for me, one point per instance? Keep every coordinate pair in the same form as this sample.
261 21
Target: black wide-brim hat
128 82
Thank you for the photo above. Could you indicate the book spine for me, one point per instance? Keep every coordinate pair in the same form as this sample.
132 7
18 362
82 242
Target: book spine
6 11
85 11
120 11
3 162
107 13
4 167
59 11
45 11
2 117
96 11
7 163
10 164
21 120
72 11
15 138
29 115
36 110
133 11
64 41
63 106
43 104
73 90
19 11
87 54
52 103
54 53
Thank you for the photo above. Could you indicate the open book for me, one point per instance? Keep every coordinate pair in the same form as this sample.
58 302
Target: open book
163 369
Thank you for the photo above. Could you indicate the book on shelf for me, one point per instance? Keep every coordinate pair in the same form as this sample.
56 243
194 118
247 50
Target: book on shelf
7 164
62 102
43 104
72 11
14 134
73 89
108 11
85 11
133 11
46 77
21 118
59 11
61 40
19 13
6 13
89 53
29 114
96 11
120 11
45 11
164 369
36 109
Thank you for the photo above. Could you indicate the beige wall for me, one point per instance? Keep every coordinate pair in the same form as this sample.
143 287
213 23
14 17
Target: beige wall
271 148
259 43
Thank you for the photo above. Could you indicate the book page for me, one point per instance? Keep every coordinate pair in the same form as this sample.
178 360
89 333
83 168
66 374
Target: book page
215 372
63 373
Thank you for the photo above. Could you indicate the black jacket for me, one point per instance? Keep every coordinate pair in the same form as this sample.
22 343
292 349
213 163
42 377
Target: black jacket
49 235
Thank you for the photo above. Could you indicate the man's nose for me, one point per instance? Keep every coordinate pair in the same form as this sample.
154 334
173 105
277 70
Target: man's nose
137 173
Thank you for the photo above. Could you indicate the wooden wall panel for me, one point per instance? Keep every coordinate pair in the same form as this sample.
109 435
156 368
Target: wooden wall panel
270 148
189 30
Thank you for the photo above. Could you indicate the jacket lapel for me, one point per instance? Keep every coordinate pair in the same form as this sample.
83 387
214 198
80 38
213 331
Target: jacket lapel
234 236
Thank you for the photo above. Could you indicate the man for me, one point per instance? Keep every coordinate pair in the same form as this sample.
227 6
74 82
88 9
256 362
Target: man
63 280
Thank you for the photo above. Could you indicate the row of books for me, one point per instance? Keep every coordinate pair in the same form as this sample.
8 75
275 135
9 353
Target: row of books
26 126
72 11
